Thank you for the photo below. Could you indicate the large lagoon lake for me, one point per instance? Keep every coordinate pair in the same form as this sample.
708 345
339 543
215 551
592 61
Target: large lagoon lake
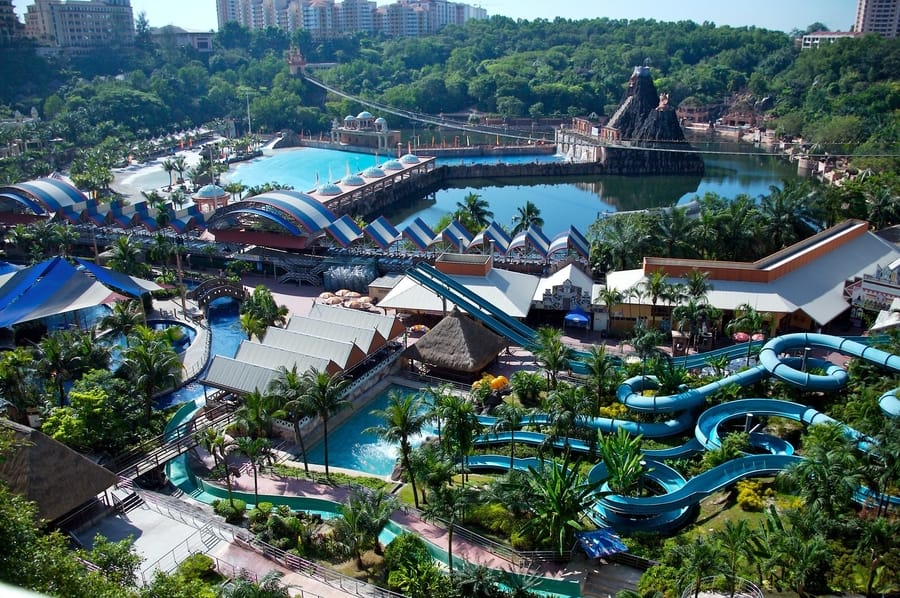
563 203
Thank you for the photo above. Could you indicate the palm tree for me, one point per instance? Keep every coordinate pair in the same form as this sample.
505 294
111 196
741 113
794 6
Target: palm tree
211 439
735 541
526 216
325 396
748 320
673 230
235 188
178 198
509 418
126 257
258 452
699 559
253 325
362 518
655 287
287 389
57 360
646 343
255 415
169 167
460 425
268 586
877 538
787 213
610 297
403 417
694 314
559 495
474 210
697 284
179 165
449 504
551 354
153 366
124 317
830 474
567 404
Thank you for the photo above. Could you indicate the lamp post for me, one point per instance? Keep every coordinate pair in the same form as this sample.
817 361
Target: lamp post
179 245
641 479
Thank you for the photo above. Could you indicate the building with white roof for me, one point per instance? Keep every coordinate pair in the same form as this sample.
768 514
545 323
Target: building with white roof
804 286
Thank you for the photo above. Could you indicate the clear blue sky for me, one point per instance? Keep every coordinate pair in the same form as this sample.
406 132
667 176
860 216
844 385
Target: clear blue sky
782 15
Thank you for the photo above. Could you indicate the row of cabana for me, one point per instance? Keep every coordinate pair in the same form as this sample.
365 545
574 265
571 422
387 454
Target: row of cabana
295 212
57 198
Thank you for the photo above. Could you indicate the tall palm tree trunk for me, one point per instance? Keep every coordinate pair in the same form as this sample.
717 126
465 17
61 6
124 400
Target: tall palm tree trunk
299 438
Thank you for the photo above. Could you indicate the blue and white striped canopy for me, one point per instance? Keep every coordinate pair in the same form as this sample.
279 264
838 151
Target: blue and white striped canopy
344 230
457 235
420 234
571 238
382 232
494 232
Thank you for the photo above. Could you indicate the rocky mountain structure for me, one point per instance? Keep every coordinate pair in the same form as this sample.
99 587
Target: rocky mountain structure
644 115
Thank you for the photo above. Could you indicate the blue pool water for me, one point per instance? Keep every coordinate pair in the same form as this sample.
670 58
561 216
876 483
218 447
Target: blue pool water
226 337
349 448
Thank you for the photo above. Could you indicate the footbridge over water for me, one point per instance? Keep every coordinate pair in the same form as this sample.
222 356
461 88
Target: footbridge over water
210 290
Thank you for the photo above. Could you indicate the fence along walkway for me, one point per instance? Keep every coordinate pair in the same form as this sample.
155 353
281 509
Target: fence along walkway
211 530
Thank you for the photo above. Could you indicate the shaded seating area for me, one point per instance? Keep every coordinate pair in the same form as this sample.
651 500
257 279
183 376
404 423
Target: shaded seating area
458 348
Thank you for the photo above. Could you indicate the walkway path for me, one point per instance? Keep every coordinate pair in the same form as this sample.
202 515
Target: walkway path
270 484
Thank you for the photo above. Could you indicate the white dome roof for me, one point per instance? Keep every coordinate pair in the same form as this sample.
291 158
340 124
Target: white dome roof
373 172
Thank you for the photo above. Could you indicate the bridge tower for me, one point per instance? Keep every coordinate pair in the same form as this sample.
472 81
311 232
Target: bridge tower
296 61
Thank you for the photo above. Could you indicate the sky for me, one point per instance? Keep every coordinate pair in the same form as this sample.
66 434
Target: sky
781 15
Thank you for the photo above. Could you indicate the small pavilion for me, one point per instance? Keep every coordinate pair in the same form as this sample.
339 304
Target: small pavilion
209 198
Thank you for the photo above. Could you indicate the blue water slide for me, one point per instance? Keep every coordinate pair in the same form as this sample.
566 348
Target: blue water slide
629 392
671 427
889 403
483 305
501 463
699 487
835 377
706 430
473 309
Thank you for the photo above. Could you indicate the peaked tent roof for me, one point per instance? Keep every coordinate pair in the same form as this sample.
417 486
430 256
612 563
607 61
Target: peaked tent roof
45 289
129 285
51 474
457 343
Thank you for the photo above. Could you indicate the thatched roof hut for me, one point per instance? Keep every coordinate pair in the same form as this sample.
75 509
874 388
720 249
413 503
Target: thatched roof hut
49 473
458 344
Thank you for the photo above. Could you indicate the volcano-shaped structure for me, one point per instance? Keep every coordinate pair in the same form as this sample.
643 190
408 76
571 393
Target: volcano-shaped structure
644 114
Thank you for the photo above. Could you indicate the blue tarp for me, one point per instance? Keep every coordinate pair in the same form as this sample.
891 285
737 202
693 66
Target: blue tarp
127 285
600 542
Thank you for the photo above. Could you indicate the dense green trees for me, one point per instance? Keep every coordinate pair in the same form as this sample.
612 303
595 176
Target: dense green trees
843 96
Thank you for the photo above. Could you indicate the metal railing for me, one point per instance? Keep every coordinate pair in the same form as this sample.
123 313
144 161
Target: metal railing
511 555
153 453
319 572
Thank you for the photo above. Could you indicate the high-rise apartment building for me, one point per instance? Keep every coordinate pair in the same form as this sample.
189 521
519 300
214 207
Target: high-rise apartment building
878 16
327 18
76 25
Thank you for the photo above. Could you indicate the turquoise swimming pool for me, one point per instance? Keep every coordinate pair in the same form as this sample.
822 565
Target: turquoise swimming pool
350 448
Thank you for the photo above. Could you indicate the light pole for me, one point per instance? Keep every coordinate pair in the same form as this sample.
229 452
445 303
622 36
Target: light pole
641 479
179 245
